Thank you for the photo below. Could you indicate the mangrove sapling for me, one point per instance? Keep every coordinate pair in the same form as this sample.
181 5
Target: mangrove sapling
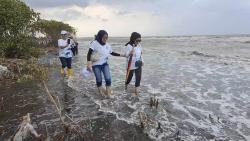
71 128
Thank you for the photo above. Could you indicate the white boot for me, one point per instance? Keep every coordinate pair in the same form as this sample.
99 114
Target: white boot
108 91
137 90
101 90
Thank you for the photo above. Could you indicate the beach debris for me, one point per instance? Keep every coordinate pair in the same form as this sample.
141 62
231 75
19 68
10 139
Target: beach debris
142 122
176 136
159 129
4 72
47 133
2 104
153 102
159 125
72 128
210 118
144 119
25 130
156 104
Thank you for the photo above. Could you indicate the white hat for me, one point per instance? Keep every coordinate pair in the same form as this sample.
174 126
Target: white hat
63 32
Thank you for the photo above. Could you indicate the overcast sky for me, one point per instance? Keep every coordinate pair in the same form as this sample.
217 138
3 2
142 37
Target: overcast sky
149 17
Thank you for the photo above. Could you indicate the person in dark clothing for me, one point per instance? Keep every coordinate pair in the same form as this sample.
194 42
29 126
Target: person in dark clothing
74 44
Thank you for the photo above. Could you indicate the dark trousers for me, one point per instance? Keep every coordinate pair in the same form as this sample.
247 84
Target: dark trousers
66 62
137 76
75 50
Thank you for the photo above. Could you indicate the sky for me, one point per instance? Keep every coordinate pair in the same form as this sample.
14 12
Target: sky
149 17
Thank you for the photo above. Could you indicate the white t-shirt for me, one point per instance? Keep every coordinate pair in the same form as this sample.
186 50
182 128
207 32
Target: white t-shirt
136 56
102 50
65 52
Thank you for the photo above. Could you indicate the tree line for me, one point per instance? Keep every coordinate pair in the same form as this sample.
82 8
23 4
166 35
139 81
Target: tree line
20 27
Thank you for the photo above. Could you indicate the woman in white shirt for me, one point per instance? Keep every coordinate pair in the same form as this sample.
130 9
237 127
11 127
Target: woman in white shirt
133 52
99 64
65 53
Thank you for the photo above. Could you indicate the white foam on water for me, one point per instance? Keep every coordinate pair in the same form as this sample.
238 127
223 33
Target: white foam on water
188 83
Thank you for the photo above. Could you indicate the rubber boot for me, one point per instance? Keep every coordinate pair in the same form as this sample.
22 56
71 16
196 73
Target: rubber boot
70 72
101 90
137 91
108 91
62 71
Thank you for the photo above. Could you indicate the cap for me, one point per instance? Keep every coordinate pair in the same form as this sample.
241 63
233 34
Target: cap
63 32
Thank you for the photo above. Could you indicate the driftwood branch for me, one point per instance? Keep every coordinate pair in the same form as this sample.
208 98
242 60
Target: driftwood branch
58 108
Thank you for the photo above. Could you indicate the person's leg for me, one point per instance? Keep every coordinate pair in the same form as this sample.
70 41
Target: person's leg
98 76
137 79
107 76
130 76
69 61
73 50
76 49
64 64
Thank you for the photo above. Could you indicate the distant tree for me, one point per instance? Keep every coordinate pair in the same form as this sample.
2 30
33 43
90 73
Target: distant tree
52 29
16 28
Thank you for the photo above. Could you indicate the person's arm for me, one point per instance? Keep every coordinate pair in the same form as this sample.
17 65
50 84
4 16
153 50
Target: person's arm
129 50
89 63
89 54
115 54
60 45
68 41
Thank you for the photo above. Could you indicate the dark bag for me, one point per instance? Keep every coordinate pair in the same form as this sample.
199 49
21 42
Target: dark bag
138 63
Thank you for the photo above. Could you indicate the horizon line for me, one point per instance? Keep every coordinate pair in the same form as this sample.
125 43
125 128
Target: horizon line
175 35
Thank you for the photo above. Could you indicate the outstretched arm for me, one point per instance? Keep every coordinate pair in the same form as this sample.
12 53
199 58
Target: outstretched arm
115 54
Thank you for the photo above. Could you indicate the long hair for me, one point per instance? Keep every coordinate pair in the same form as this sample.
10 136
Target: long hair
133 37
100 35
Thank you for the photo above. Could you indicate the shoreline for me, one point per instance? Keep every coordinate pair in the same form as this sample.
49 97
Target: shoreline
31 96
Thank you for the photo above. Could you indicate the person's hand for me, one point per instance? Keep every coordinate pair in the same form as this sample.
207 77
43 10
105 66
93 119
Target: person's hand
123 55
39 136
89 66
131 52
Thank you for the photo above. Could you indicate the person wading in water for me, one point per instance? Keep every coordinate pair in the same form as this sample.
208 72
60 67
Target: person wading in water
97 58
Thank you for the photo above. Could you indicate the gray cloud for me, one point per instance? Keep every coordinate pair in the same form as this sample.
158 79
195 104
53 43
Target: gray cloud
68 15
175 17
55 3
